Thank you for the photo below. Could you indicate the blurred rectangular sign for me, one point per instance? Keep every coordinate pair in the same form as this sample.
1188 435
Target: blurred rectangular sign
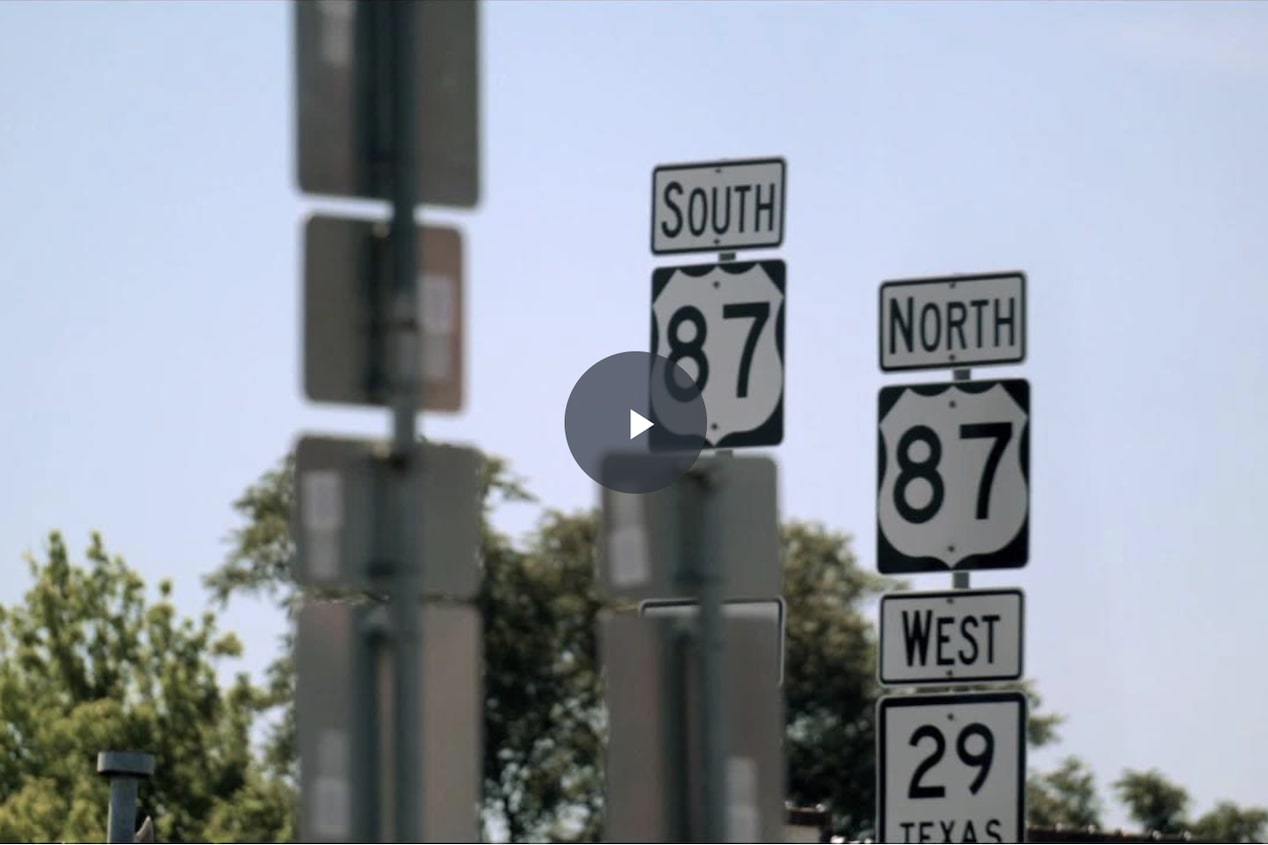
718 206
347 312
771 611
953 321
643 533
340 670
653 791
954 636
333 694
342 52
342 490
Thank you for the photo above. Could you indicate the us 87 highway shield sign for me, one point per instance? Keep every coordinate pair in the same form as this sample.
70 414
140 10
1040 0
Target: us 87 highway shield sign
953 477
951 768
723 324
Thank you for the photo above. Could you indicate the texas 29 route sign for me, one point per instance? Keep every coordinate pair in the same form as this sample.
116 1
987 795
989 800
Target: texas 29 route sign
951 768
953 476
723 324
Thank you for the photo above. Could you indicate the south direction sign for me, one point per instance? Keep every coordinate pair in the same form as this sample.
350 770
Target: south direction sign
723 324
953 477
718 206
965 636
953 321
951 768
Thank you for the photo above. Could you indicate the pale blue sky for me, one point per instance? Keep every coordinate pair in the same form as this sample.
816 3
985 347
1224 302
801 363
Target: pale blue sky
1114 152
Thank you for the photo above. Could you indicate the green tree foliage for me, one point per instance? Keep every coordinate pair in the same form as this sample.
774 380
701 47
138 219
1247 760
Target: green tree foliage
1228 822
830 682
1064 797
87 664
1153 801
544 718
1157 803
259 564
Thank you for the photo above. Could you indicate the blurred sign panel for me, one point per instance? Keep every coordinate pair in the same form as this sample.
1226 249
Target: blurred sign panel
340 78
347 309
641 531
337 678
772 611
652 792
341 496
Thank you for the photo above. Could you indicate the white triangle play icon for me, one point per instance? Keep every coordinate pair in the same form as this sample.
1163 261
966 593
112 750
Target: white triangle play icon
638 424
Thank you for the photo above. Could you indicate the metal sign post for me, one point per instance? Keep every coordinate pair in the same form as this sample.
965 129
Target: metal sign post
404 333
727 321
366 75
126 769
953 494
960 579
698 561
697 706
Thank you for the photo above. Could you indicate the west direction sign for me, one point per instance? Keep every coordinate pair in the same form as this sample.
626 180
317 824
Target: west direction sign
718 206
953 321
965 636
951 768
953 477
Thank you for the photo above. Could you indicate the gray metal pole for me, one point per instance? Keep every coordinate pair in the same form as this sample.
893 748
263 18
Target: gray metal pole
710 577
407 396
711 572
125 770
713 727
960 580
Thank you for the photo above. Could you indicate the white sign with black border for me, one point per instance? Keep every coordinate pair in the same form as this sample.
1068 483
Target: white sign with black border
965 636
723 325
718 206
951 768
953 321
773 610
953 476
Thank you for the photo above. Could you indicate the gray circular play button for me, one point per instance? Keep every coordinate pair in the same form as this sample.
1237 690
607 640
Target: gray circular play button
635 422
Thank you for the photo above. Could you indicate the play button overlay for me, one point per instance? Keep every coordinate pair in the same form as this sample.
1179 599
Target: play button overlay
635 422
638 424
